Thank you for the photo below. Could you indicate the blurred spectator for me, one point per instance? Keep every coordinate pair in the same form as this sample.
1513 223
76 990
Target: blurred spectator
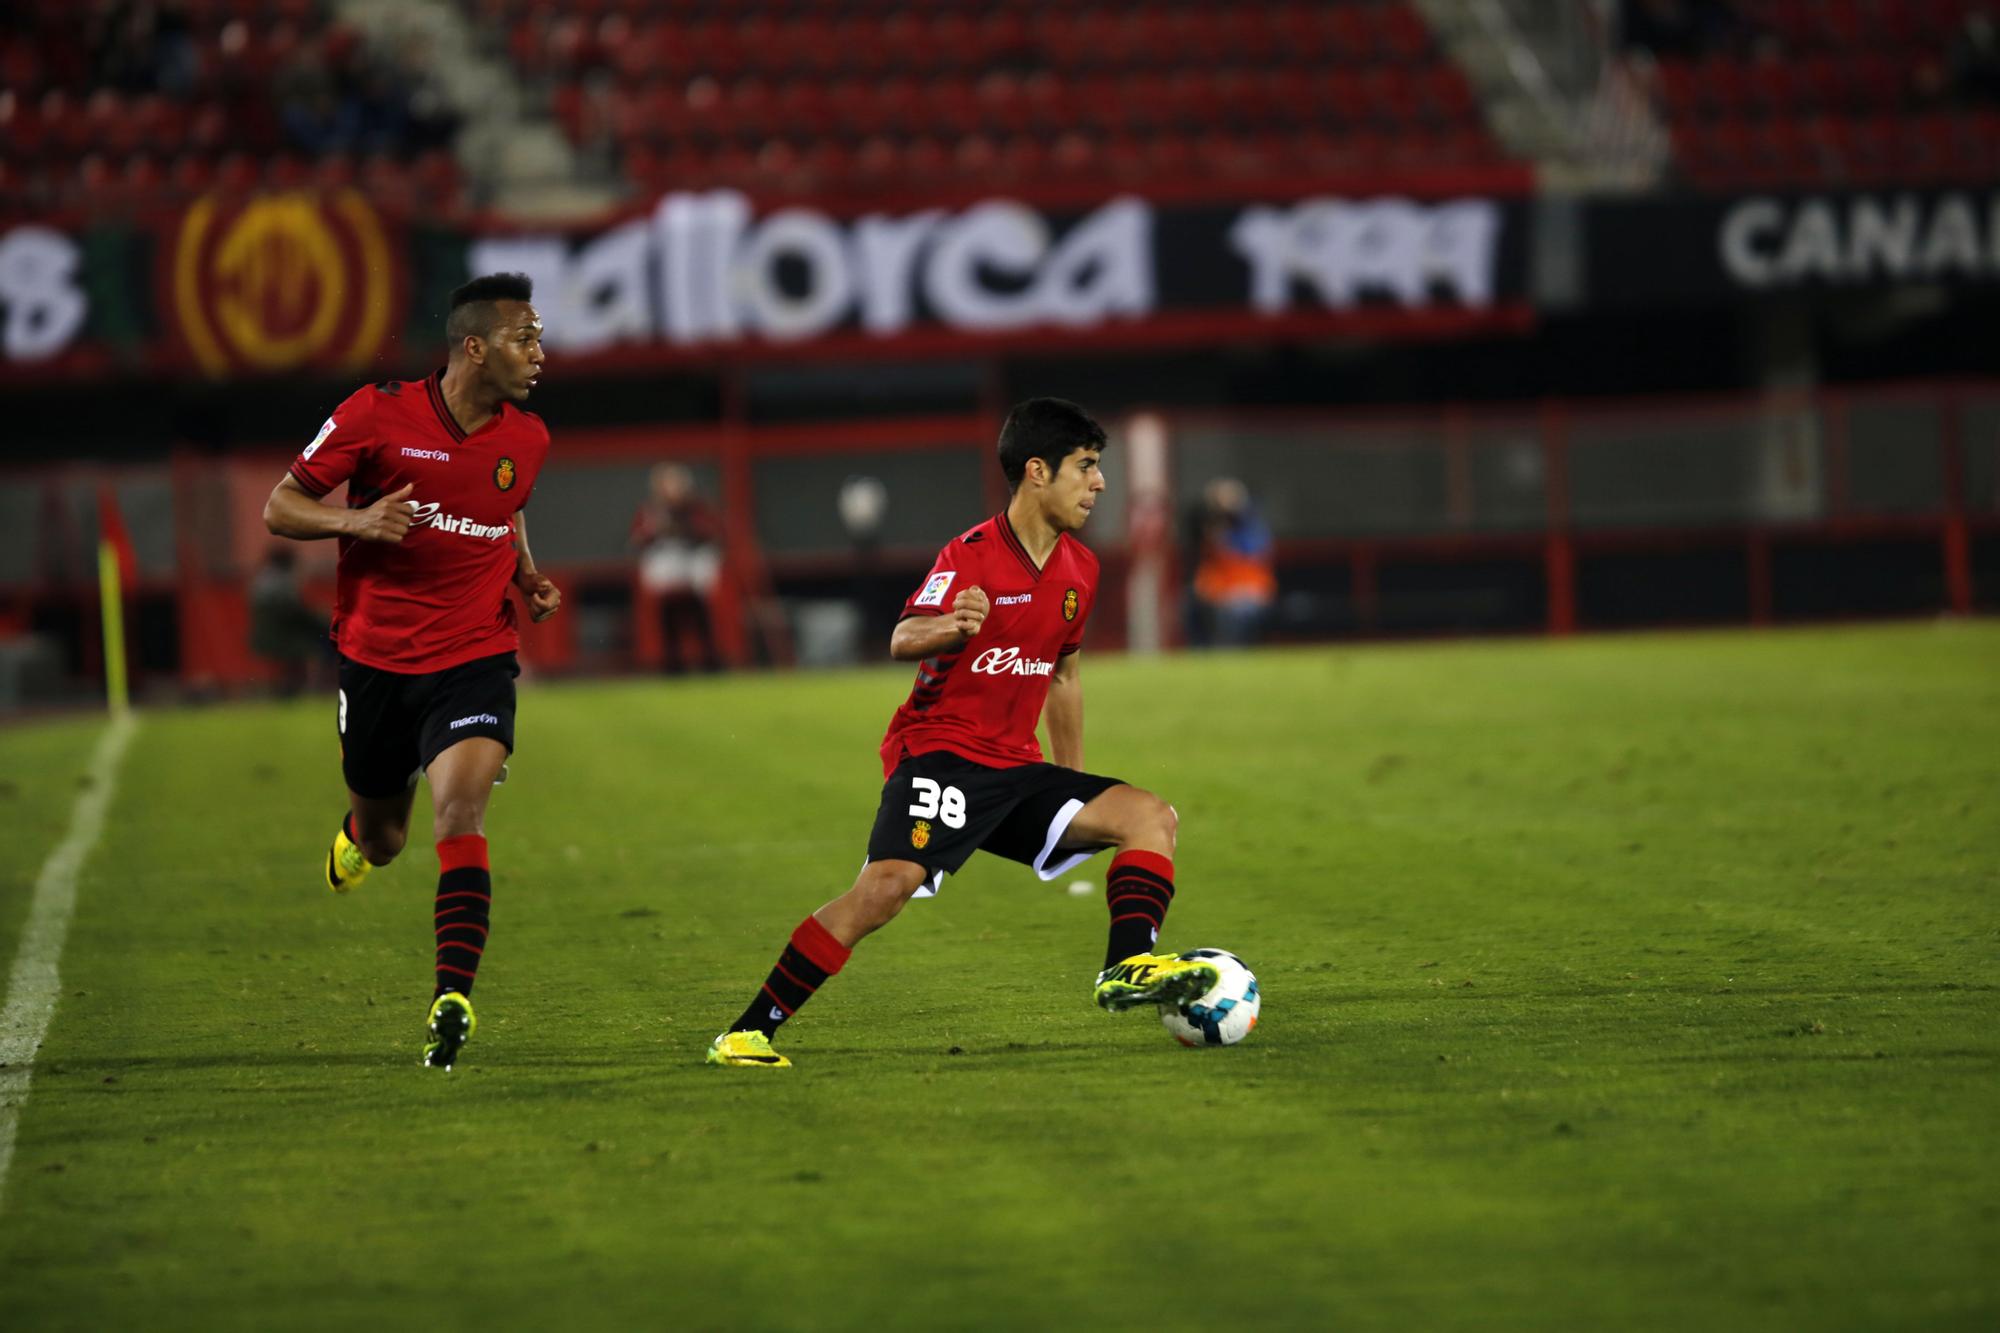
284 629
144 46
429 122
1233 583
1975 58
1677 29
337 95
675 533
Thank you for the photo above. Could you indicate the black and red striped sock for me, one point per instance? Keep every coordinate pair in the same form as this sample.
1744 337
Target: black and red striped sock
812 956
464 900
1138 891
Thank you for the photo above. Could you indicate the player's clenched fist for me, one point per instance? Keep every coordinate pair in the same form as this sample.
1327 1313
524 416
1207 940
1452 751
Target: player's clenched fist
968 611
388 519
544 598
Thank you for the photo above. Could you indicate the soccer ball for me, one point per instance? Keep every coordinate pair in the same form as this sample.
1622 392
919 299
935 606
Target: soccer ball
1223 1015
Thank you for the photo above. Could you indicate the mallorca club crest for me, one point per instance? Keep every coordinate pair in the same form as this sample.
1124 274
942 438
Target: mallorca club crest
1069 604
920 836
503 474
280 282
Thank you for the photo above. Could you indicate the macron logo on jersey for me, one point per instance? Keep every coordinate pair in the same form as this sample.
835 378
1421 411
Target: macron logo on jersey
1009 662
935 588
435 455
319 439
426 515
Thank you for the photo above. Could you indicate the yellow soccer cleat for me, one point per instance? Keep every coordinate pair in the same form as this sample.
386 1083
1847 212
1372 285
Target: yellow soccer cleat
749 1050
345 865
452 1024
1155 978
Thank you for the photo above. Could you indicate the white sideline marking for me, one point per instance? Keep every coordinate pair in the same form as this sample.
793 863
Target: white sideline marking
34 984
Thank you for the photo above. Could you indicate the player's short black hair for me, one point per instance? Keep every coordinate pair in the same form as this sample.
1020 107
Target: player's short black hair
472 306
1050 429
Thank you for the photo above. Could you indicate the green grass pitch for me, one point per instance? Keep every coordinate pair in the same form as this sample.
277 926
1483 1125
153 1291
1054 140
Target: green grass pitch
1640 982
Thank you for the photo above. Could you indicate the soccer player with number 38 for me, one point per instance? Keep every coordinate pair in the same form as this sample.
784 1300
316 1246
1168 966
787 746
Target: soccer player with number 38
995 629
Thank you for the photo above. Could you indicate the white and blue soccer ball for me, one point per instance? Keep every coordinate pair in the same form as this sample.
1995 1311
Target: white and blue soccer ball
1225 1013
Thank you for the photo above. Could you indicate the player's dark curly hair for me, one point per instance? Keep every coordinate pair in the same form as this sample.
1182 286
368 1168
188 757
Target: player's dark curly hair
1050 429
474 306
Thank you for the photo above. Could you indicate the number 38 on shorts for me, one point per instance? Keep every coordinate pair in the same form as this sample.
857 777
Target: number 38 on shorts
935 801
938 808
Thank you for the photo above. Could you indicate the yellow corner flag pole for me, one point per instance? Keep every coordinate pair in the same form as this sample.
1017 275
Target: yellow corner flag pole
109 585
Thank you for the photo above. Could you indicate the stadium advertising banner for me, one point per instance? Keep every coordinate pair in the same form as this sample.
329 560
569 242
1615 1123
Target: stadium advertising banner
283 283
711 272
258 285
1692 251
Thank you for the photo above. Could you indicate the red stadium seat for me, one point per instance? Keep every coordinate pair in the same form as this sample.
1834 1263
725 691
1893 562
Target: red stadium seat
235 173
1022 158
141 183
287 173
1976 149
1402 34
1822 84
1391 94
1722 87
1352 37
1003 104
23 132
1679 94
1074 155
1446 96
336 171
436 177
190 174
388 185
1714 152
826 164
925 158
1880 83
1864 146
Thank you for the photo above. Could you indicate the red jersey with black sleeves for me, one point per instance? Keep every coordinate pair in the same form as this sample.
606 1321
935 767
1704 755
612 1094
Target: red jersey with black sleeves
981 702
439 597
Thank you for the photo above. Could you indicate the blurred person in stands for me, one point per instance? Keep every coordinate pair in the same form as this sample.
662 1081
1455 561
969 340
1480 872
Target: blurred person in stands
1677 29
144 46
432 538
1233 582
285 630
1975 59
675 533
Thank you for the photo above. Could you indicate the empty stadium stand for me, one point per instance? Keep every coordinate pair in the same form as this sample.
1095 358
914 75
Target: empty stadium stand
835 97
1830 92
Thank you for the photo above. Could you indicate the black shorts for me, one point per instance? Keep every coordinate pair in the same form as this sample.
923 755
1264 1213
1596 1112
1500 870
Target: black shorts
393 724
937 809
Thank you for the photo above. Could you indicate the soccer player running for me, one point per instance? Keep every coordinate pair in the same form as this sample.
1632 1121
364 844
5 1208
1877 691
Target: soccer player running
996 628
438 471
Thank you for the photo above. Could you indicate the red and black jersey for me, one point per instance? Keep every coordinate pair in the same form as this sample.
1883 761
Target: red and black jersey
982 701
440 596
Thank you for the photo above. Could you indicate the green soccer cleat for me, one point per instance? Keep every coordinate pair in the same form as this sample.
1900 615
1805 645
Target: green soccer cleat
345 865
452 1024
1154 978
748 1050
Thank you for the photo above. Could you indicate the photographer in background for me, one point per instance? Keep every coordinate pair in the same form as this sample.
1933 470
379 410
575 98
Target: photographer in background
1233 582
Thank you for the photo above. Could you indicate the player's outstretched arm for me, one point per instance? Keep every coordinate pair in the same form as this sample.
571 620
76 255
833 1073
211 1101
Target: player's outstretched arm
918 637
294 512
543 597
1063 713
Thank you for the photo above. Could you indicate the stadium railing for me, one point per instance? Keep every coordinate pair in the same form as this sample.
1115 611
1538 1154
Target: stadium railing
1549 517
